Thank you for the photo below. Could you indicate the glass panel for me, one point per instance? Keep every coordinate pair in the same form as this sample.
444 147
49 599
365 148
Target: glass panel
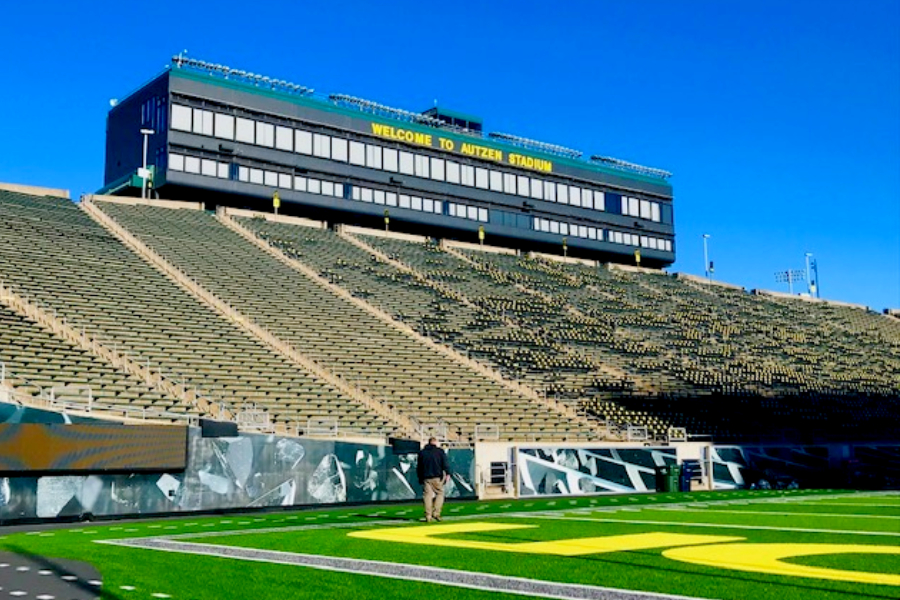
654 211
284 138
509 183
634 207
256 176
366 195
378 196
176 162
422 167
245 131
404 201
483 215
327 188
390 199
523 187
356 192
574 195
562 193
265 134
587 198
452 172
303 142
537 189
468 175
203 122
300 183
357 154
181 117
191 164
481 178
645 209
373 156
406 163
271 178
554 227
224 126
472 213
321 145
339 190
416 200
243 174
314 186
550 191
437 169
496 181
390 160
284 180
208 167
339 149
599 201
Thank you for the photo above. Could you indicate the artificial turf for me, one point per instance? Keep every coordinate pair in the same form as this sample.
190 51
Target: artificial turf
189 576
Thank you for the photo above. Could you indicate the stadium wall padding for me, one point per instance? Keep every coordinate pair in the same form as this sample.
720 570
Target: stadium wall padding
248 471
549 471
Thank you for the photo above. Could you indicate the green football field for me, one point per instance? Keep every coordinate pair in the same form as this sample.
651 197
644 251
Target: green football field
787 545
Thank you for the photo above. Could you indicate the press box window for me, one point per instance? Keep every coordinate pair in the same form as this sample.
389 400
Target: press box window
265 134
224 126
321 146
390 160
357 154
303 142
244 131
339 149
181 117
284 138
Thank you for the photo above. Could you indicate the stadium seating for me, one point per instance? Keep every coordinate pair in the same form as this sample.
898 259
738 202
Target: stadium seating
56 254
631 348
388 364
37 362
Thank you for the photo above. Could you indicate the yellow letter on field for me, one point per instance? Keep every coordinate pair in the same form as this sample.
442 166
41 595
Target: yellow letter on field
573 547
768 558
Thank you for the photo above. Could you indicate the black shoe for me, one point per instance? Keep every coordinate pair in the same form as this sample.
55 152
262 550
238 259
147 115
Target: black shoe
438 519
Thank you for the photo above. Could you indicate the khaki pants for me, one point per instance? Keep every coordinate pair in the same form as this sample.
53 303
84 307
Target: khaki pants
433 494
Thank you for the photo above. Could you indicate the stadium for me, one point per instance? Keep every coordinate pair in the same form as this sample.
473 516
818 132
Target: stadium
279 294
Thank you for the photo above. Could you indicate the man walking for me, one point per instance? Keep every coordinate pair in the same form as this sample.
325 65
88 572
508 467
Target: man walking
433 470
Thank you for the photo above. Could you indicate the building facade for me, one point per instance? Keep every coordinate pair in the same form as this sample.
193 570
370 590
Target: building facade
229 137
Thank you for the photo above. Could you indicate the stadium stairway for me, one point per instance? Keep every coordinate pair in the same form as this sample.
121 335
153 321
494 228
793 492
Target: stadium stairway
83 284
447 350
398 370
400 423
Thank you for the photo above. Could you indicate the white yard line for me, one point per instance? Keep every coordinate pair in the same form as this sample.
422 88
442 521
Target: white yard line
435 575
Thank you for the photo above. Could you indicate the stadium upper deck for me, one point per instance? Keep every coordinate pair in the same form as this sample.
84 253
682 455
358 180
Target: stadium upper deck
231 137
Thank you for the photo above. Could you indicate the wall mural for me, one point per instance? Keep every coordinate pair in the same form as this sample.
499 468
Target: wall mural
248 471
575 471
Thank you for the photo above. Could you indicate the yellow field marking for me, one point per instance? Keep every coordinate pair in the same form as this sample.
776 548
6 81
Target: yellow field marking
571 547
767 558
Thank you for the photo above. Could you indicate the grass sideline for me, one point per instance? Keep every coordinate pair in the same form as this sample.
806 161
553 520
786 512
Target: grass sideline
186 576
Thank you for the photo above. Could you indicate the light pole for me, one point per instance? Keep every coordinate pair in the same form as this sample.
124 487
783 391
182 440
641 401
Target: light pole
809 287
706 254
144 174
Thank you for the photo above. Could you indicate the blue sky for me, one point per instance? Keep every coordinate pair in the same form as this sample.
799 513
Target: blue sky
780 120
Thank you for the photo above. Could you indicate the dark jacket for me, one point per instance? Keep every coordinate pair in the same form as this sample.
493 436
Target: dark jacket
432 463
